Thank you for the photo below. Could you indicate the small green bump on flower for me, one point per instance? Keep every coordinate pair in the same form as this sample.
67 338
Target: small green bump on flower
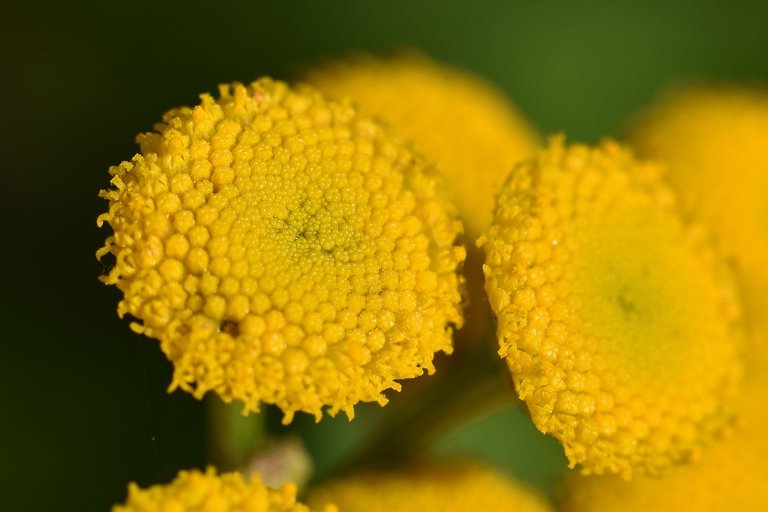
284 249
618 321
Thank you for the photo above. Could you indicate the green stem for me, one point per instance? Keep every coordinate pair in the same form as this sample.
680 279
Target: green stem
232 438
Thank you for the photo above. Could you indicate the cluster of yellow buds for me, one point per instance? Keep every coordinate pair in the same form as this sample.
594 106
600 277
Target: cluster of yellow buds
311 246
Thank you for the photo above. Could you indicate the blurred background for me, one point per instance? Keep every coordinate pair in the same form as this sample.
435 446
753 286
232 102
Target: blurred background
83 408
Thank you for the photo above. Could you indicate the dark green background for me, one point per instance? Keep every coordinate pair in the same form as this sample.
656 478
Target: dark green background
82 402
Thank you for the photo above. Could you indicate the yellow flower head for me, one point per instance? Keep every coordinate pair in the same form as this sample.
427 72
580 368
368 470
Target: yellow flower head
452 487
731 475
617 320
715 140
471 129
195 491
284 249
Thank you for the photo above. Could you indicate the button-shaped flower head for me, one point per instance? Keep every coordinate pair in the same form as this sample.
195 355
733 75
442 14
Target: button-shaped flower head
469 127
195 491
446 487
284 249
618 321
715 141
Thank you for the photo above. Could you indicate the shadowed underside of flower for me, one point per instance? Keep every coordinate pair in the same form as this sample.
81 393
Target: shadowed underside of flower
194 491
284 249
470 128
617 320
458 486
715 141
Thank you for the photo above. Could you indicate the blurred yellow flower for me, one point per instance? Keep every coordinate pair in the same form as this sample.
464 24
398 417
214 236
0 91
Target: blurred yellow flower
618 321
715 140
446 487
284 249
467 126
195 491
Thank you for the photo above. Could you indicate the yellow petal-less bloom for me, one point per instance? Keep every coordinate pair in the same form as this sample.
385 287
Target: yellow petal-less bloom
284 249
618 322
732 474
469 128
715 141
195 491
447 487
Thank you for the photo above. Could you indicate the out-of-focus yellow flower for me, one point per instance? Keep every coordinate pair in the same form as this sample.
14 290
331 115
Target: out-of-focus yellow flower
715 140
471 129
618 322
195 491
447 487
284 249
731 475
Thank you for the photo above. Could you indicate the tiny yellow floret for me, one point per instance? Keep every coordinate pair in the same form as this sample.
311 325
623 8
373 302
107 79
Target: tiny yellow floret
619 323
470 128
445 487
195 491
715 142
284 249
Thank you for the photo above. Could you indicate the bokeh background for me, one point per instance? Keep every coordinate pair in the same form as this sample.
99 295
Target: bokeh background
83 408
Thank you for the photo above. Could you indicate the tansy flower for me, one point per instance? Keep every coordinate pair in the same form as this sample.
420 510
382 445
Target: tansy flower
467 126
195 491
715 140
452 487
617 320
284 249
731 476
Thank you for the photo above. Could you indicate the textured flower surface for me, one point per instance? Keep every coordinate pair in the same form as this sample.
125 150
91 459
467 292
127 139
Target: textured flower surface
471 129
618 321
732 475
445 487
195 491
715 141
284 249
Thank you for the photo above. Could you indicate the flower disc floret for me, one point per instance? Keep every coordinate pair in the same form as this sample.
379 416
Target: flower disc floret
618 321
195 491
446 487
284 249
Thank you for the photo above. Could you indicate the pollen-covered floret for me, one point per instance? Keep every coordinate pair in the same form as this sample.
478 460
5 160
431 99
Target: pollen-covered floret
468 126
731 475
458 486
618 321
284 249
715 141
195 491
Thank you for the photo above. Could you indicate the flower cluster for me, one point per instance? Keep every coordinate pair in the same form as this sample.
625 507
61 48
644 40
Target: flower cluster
291 248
